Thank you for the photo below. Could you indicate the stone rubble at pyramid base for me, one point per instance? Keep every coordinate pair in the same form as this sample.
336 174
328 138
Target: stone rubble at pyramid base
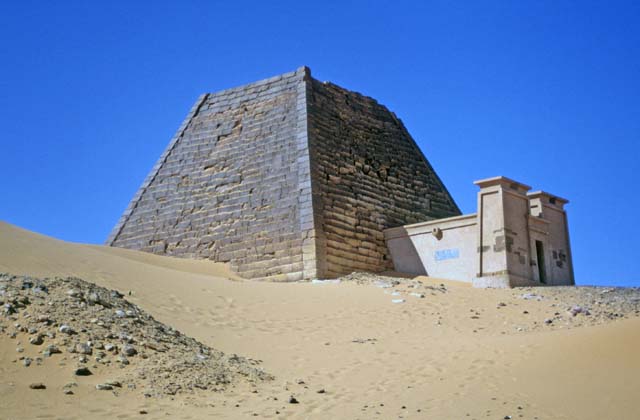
91 329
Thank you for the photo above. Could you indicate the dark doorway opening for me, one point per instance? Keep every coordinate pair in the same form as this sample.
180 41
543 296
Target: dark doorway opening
542 274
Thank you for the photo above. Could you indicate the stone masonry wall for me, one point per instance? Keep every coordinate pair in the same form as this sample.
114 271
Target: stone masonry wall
230 186
368 175
286 179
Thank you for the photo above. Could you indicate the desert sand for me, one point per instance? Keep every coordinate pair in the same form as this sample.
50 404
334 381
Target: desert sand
446 351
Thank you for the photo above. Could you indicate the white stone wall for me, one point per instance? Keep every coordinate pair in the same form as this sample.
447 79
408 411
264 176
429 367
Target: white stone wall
443 248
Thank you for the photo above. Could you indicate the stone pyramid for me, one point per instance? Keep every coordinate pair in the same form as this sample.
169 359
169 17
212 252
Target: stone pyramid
287 178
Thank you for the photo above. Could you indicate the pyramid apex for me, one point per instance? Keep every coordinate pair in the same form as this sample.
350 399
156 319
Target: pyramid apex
304 70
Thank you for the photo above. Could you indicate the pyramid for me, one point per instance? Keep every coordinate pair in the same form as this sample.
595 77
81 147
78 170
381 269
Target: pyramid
286 179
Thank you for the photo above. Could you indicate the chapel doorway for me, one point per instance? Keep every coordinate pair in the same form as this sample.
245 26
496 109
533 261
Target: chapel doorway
542 274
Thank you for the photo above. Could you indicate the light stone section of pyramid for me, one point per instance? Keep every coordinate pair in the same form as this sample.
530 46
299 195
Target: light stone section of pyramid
286 179
228 186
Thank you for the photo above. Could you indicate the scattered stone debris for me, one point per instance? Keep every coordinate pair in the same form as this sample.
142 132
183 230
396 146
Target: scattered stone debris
83 348
83 371
37 385
585 305
364 340
386 282
595 305
293 400
129 350
66 329
116 384
316 281
88 323
37 340
50 350
579 310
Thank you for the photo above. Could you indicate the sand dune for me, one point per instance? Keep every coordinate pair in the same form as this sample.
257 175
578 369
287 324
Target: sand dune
456 353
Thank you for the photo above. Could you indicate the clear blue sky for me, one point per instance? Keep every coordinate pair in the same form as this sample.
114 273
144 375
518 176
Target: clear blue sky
546 92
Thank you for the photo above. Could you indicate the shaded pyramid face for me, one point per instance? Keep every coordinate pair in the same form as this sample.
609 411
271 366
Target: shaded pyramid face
286 179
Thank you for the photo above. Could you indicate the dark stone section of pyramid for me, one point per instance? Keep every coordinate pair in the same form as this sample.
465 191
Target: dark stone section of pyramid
368 175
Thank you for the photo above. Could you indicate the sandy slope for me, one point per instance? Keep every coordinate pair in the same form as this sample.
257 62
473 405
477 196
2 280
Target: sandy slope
449 355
